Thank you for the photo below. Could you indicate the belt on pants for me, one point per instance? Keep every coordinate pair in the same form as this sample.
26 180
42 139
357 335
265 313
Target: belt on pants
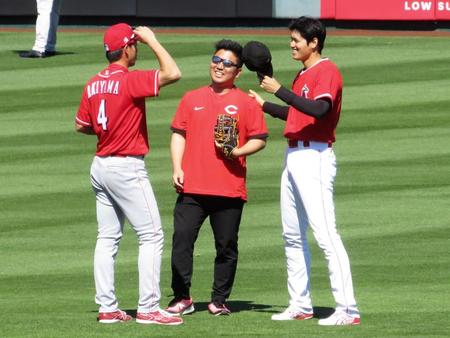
305 144
122 155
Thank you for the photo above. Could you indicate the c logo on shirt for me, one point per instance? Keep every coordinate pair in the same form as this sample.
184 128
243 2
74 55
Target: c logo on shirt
231 109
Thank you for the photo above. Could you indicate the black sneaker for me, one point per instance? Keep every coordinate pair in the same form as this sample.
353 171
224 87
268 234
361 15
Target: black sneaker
35 54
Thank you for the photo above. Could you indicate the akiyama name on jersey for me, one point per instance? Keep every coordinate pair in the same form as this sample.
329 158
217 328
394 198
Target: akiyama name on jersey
103 87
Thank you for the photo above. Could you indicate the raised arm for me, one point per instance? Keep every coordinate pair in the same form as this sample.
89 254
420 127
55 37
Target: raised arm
169 71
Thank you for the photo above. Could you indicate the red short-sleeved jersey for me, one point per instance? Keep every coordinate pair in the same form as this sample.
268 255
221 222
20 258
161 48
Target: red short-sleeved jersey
113 105
206 171
322 80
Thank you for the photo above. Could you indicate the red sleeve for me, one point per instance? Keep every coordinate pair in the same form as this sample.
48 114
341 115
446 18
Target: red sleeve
327 85
83 118
143 83
256 123
179 121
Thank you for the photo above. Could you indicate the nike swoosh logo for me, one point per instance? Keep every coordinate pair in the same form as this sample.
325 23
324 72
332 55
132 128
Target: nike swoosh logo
198 108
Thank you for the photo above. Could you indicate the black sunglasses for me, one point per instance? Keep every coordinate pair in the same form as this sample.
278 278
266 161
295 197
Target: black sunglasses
226 63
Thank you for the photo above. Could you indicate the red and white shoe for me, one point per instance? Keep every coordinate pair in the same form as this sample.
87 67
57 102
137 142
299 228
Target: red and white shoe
292 314
340 318
180 307
113 317
159 317
218 309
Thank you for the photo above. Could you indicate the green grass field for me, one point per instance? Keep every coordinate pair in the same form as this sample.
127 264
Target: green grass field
392 194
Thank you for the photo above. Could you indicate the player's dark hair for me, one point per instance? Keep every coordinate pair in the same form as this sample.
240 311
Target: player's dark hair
114 55
232 46
310 28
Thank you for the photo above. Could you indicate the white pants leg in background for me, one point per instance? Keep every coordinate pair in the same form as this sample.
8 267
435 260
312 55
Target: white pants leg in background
123 191
307 200
46 25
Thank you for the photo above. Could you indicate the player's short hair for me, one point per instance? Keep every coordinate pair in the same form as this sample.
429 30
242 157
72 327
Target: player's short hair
232 46
114 55
310 28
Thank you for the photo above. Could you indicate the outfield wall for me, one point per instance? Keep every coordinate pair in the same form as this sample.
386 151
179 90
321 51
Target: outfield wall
394 10
431 10
415 10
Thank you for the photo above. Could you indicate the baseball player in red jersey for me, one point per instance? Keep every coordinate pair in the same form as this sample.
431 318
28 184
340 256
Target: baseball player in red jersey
219 193
312 114
113 108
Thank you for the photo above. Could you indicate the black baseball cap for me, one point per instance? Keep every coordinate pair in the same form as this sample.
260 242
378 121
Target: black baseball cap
257 58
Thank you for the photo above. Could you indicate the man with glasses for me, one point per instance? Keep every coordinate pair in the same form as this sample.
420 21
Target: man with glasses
210 184
113 108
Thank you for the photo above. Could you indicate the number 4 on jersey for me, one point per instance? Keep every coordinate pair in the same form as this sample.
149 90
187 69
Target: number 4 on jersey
101 117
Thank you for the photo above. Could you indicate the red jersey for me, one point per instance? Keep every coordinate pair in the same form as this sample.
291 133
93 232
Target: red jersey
322 80
113 105
206 171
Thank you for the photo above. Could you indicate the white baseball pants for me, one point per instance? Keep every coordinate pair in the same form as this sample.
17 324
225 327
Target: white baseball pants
46 25
123 191
307 199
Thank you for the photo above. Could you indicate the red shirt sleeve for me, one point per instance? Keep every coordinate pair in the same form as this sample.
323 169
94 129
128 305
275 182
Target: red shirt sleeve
327 86
179 121
83 118
256 123
143 83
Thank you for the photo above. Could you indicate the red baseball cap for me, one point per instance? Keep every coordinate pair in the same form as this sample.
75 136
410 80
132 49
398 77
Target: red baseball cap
118 36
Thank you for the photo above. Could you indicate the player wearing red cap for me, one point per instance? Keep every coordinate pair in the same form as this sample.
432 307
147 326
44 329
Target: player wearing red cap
113 108
312 114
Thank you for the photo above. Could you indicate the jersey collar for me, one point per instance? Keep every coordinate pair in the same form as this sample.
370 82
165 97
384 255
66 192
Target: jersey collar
112 69
315 64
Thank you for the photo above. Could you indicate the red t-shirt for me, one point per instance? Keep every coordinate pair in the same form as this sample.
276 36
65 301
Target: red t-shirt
206 170
322 80
113 105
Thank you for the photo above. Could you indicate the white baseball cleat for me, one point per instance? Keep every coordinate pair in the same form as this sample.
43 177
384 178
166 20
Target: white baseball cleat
340 318
292 314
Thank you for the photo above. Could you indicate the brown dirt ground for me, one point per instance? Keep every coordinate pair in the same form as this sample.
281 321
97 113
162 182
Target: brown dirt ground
249 31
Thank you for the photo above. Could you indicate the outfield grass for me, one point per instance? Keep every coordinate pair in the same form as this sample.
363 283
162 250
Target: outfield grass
392 194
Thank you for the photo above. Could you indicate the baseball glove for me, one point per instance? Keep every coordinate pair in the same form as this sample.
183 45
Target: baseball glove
226 134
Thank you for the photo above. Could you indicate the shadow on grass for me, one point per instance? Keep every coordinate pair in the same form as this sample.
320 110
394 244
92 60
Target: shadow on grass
237 306
244 305
322 312
18 52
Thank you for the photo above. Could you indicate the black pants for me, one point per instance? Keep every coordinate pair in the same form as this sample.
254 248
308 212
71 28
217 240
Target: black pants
225 216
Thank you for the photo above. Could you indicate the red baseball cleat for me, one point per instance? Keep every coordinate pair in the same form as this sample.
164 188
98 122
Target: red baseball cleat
113 317
159 317
218 309
181 306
